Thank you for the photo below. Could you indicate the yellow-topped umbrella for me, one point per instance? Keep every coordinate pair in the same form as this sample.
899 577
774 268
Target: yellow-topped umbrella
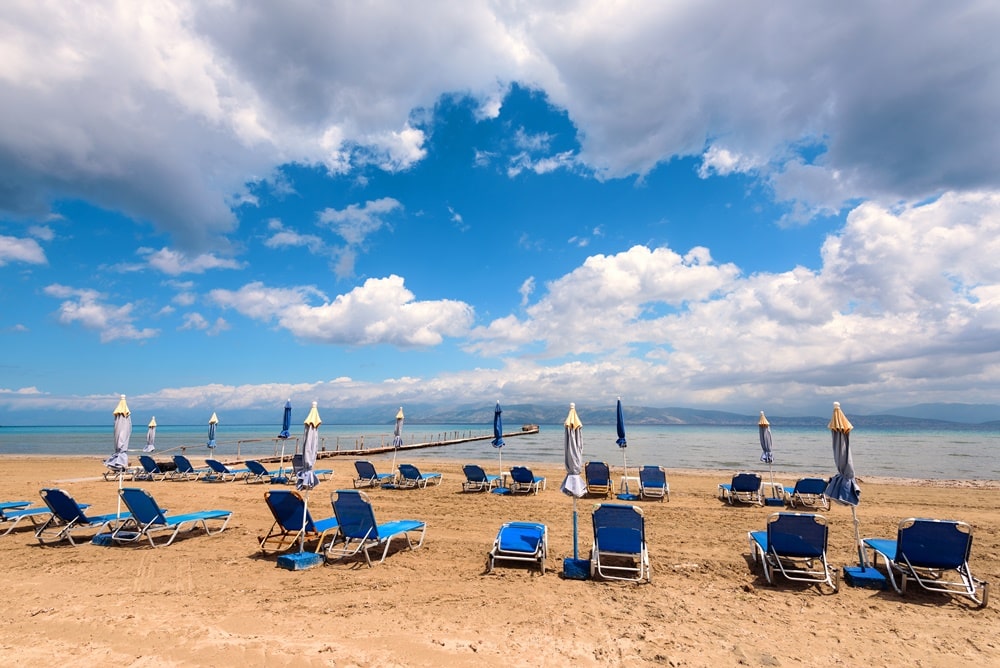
574 484
212 421
150 436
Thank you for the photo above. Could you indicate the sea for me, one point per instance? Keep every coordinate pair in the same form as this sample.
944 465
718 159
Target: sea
941 453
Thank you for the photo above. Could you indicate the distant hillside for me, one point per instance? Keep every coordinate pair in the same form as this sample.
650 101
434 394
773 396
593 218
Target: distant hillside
970 413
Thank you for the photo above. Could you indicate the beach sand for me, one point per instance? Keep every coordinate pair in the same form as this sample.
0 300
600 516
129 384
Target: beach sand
215 601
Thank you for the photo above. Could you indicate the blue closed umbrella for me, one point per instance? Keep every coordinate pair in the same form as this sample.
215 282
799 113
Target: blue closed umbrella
284 435
212 421
498 443
623 444
286 421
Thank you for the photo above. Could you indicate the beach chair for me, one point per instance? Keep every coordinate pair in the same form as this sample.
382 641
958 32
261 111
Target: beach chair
598 477
619 551
794 545
148 519
150 470
523 480
368 476
520 541
322 474
744 488
931 553
653 483
478 480
289 508
69 517
411 477
222 473
12 513
808 492
358 531
257 472
186 470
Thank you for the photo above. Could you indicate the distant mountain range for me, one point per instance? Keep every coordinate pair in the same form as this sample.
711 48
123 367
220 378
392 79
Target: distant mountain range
927 416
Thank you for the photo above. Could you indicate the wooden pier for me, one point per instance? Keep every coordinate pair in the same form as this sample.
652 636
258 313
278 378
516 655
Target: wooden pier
382 448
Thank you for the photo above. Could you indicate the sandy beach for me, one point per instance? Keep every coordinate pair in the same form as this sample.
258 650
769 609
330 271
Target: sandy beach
216 601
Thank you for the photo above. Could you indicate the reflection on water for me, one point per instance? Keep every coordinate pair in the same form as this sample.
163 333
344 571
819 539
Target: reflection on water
799 450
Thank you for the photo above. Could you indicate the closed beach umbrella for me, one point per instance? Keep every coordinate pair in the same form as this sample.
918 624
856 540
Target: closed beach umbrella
122 434
397 438
498 443
306 478
623 444
286 421
766 455
574 484
212 421
843 487
150 436
284 435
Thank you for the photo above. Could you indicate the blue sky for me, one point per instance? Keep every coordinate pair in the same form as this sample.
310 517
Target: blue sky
773 206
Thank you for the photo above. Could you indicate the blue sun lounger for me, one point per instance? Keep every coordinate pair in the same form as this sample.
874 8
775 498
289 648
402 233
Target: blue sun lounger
260 473
794 545
358 531
186 470
150 470
12 513
619 551
289 508
653 483
148 519
744 488
598 476
69 517
222 473
478 480
411 477
368 476
520 541
927 551
808 492
523 479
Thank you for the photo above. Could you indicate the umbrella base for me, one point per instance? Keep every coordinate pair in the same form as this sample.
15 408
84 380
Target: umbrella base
300 561
102 539
867 578
628 497
770 501
500 490
576 569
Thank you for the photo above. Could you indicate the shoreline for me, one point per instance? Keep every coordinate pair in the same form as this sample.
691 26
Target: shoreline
788 477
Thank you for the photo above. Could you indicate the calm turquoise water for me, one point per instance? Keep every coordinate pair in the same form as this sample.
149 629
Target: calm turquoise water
963 454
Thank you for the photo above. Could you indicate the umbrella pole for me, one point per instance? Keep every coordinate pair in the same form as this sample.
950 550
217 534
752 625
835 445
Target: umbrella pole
576 544
624 470
302 530
121 476
770 467
862 559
